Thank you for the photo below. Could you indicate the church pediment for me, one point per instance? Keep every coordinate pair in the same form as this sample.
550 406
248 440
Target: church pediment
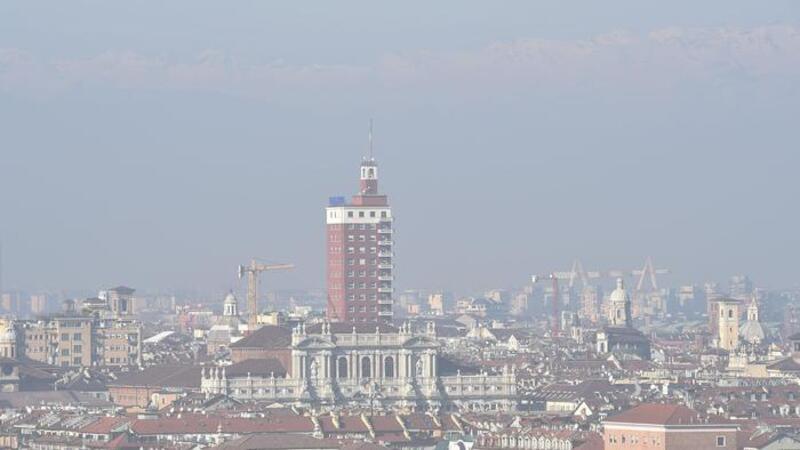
316 343
421 342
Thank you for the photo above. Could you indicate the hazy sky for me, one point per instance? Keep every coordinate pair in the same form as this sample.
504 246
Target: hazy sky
160 144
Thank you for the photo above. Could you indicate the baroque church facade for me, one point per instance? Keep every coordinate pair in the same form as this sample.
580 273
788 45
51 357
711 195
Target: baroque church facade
371 364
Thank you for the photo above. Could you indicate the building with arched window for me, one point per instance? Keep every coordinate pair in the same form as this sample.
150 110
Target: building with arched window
374 363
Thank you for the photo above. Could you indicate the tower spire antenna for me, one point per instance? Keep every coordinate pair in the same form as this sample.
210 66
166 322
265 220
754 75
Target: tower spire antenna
370 139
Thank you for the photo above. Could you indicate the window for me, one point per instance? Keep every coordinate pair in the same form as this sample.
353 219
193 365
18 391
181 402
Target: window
64 336
720 441
350 214
361 214
76 337
77 349
372 213
366 367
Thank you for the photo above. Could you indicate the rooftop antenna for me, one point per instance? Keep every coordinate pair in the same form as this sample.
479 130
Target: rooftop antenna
370 139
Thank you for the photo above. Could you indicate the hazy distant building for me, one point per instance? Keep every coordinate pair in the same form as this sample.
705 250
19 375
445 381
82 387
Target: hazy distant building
590 303
724 322
436 304
740 287
519 304
8 302
38 304
360 257
120 300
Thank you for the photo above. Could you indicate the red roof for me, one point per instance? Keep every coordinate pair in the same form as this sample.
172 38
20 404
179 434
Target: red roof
104 425
345 424
661 414
209 425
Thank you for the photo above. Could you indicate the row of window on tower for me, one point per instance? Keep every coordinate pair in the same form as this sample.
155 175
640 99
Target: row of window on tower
362 309
360 274
352 250
372 214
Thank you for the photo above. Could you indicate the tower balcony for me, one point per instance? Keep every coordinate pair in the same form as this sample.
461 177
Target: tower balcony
385 278
386 265
385 301
384 254
385 313
385 230
386 289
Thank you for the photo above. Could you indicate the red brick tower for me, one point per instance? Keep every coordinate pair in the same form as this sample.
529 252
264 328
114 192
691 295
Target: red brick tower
360 263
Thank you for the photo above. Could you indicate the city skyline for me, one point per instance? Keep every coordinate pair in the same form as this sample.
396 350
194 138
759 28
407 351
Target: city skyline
359 225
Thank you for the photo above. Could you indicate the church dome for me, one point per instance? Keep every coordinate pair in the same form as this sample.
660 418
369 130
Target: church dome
752 332
230 299
619 295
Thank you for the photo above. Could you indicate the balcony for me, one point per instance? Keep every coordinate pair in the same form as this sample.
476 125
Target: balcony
385 301
387 230
385 266
385 242
386 290
385 313
385 254
385 278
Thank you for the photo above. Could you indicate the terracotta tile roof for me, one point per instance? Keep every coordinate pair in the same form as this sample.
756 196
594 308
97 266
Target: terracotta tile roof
420 422
449 423
211 424
386 424
346 424
279 442
362 446
662 414
593 441
105 425
268 336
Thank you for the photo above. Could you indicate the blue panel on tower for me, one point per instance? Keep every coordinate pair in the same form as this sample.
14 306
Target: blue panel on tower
336 201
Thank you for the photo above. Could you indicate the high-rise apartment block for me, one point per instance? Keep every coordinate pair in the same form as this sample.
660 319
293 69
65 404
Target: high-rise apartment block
360 256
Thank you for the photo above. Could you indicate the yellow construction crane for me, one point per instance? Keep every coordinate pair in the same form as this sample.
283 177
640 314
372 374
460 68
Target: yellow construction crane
252 270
